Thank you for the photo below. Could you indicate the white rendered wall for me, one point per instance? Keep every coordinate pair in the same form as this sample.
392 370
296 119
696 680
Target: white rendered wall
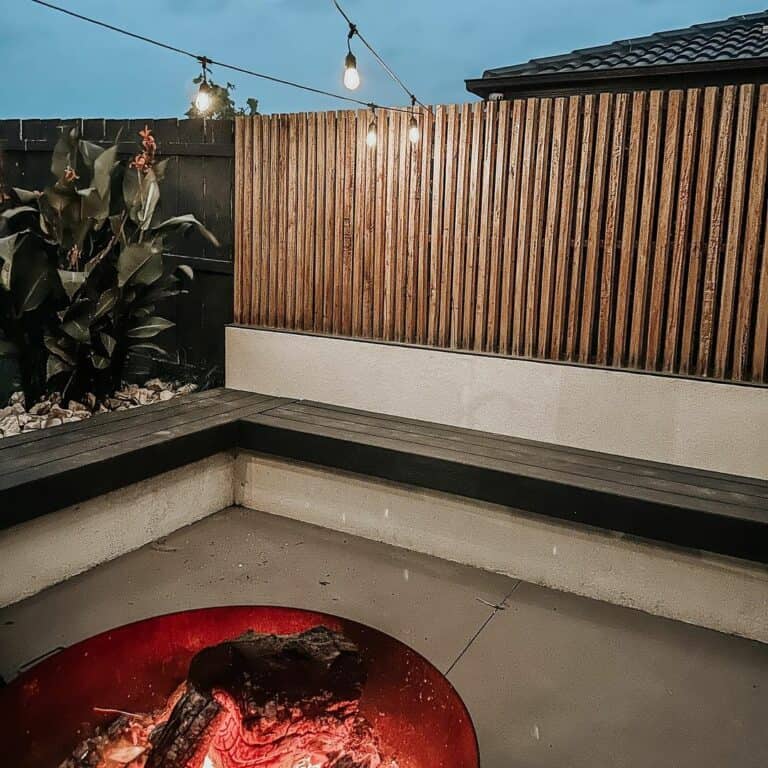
721 427
52 548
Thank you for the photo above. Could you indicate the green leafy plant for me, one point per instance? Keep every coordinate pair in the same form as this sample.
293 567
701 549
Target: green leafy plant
30 292
83 268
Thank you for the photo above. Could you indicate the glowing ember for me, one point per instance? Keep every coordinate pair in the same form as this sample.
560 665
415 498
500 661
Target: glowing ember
260 701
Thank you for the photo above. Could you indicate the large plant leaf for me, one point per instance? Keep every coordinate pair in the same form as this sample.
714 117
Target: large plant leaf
106 302
180 224
32 276
77 321
25 195
132 192
94 206
141 194
108 342
5 275
89 151
59 199
131 260
116 223
150 272
9 213
102 170
55 365
149 347
71 281
58 347
186 270
64 152
148 328
78 329
8 349
150 197
99 361
143 311
161 168
8 246
158 293
50 218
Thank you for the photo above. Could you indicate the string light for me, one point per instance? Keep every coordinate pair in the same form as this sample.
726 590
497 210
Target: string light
371 138
414 134
209 61
355 32
351 75
204 97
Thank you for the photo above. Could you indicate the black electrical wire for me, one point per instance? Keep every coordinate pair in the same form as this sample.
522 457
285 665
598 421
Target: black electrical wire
207 60
355 32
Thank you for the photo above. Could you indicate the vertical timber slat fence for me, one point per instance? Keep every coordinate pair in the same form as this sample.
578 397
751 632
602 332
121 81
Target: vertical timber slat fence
624 230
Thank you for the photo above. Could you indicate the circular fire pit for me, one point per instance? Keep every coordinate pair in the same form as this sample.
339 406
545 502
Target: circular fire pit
417 717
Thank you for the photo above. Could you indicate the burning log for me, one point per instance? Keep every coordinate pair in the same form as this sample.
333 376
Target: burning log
272 701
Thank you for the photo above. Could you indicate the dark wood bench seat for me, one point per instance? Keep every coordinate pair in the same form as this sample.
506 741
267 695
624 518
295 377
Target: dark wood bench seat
43 471
691 508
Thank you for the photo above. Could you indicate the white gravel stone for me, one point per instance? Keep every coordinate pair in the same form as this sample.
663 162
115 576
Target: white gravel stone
50 411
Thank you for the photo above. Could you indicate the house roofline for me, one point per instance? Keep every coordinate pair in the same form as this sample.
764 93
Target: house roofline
625 77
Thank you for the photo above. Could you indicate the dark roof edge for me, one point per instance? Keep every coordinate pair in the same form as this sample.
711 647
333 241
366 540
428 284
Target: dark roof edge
482 86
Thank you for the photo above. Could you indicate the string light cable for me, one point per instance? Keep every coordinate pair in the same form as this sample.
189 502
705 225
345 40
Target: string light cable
206 62
354 31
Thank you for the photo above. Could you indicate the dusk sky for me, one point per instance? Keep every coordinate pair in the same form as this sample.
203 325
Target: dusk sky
55 66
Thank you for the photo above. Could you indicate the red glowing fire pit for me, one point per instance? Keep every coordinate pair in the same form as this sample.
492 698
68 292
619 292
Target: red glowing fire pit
418 717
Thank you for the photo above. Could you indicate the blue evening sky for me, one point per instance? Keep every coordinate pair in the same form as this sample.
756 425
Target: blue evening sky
55 66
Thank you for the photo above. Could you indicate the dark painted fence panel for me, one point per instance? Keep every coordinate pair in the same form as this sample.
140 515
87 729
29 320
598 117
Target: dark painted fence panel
198 181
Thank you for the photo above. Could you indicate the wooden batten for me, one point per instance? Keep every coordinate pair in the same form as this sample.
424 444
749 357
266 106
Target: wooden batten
624 230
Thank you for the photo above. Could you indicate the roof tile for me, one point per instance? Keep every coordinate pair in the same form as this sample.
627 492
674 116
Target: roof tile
738 38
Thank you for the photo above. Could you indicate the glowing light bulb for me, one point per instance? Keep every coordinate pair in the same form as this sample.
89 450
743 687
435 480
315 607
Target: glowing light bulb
414 134
370 137
203 98
351 75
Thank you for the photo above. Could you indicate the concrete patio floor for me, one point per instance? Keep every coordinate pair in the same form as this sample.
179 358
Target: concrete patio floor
549 678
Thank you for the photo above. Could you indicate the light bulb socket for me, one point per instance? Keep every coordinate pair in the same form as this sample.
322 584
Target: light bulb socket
350 62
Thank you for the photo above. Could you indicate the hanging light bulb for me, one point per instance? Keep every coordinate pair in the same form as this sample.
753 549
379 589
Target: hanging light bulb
370 137
351 75
414 134
413 125
204 97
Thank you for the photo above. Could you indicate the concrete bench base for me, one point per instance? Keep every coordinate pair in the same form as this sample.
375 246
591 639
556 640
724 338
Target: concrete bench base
699 588
695 587
49 549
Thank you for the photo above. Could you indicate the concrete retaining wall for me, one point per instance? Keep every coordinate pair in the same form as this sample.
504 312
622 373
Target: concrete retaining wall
709 425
